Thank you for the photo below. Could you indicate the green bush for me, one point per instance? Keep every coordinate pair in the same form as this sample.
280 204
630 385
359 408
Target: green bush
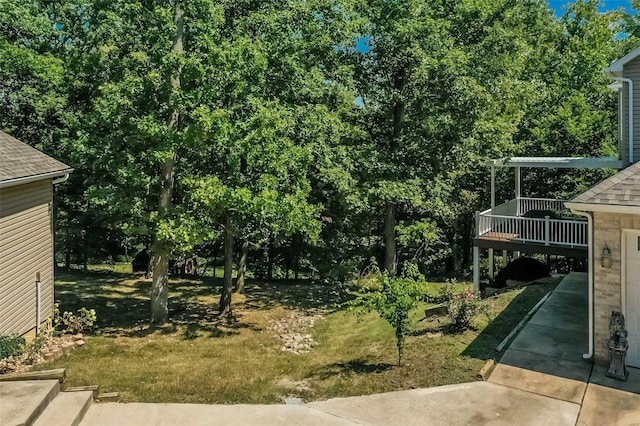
462 308
11 346
72 323
370 279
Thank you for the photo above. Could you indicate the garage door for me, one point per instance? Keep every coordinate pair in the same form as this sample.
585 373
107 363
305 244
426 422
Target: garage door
632 295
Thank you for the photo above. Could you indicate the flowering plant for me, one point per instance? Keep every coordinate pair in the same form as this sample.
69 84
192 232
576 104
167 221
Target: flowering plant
463 308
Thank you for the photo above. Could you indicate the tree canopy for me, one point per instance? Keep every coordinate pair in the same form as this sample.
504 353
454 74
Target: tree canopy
304 135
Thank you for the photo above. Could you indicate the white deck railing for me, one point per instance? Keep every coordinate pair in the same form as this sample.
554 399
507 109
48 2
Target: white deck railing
507 223
527 204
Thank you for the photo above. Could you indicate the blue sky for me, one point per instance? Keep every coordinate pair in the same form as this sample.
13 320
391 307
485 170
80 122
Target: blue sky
558 5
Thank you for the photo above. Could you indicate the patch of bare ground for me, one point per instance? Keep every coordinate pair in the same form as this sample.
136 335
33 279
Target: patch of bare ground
293 331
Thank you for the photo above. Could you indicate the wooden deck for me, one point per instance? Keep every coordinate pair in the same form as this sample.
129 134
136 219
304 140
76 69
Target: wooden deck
499 236
509 226
504 241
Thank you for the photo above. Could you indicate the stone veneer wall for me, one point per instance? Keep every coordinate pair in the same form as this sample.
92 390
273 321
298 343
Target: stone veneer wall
607 282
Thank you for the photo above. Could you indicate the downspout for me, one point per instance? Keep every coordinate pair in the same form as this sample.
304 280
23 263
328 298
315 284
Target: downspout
589 217
630 118
60 179
38 303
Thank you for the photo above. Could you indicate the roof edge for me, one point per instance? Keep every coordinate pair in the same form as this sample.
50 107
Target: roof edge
557 162
615 68
34 178
602 208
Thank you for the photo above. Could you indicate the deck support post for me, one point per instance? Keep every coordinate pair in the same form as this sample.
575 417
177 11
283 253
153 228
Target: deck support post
491 260
518 191
476 268
493 189
546 231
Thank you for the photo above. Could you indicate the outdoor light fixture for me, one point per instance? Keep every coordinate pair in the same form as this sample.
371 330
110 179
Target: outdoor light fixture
606 257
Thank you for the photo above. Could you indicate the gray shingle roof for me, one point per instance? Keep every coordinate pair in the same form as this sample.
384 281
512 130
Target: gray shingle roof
622 189
19 160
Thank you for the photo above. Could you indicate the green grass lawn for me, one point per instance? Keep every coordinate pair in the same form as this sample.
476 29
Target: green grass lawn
198 359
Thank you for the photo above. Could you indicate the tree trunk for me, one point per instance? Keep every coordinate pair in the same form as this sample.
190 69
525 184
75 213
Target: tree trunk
467 239
67 253
399 84
224 307
85 256
270 260
390 253
390 261
242 266
161 247
215 259
161 250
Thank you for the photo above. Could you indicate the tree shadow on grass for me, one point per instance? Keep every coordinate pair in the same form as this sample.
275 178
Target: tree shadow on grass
121 302
484 346
349 368
301 294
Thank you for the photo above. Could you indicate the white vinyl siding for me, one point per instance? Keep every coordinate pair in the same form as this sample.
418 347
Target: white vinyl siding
26 247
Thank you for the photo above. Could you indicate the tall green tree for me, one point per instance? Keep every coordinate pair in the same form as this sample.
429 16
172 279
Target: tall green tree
283 111
444 86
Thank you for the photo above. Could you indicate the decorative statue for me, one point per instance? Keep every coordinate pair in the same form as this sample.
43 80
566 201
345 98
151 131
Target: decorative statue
617 347
617 333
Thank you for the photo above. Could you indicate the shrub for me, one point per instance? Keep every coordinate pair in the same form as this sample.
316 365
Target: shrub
11 346
394 303
462 308
370 279
72 323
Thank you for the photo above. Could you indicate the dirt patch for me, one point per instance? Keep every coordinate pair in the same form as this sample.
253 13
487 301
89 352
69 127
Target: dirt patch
293 331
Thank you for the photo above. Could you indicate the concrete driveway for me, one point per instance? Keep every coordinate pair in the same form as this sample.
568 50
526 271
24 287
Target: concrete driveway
546 359
478 403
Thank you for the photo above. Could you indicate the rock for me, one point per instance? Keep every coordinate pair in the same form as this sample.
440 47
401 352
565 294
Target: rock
79 343
438 310
49 356
290 331
67 346
77 337
434 335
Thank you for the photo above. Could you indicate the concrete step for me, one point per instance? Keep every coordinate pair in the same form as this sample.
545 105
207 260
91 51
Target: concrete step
21 402
66 409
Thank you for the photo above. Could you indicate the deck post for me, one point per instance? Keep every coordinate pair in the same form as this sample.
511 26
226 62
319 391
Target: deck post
493 189
476 268
517 191
491 260
546 231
